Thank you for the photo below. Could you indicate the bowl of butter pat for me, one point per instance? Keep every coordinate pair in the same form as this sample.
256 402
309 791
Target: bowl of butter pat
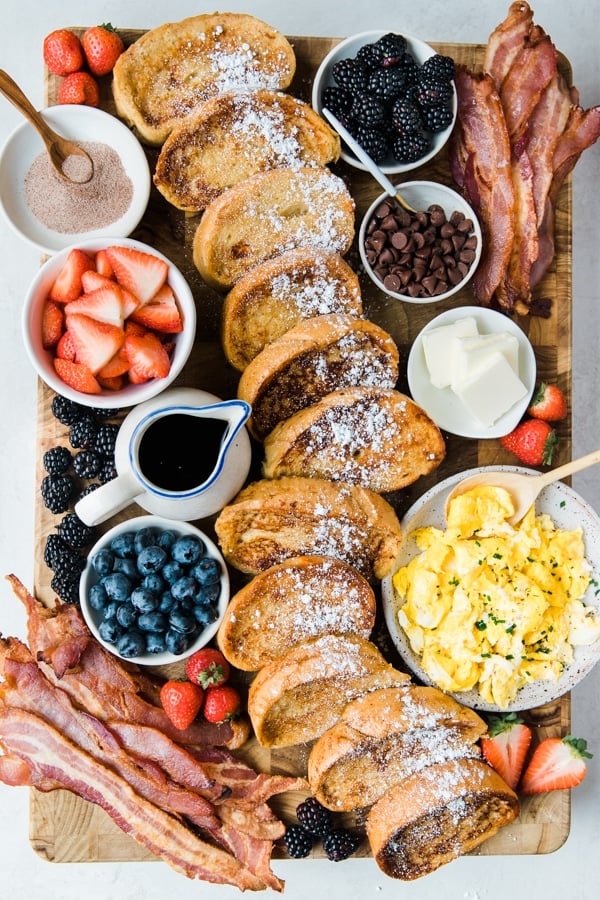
473 371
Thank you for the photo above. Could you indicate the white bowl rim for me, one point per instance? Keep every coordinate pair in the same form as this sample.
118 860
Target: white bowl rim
536 693
132 394
136 162
407 189
365 37
135 524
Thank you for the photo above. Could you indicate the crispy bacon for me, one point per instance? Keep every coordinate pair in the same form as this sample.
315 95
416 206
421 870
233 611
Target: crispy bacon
514 292
506 40
532 70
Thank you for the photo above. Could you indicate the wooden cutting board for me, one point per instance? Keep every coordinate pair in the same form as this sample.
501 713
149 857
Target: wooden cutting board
64 828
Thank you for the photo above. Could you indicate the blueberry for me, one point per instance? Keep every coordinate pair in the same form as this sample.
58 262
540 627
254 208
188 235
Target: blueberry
110 610
172 570
153 621
123 545
154 583
103 562
188 549
209 593
97 596
206 570
145 537
132 643
109 630
144 600
176 642
126 615
204 615
185 588
155 643
166 539
127 566
167 602
151 559
181 621
117 586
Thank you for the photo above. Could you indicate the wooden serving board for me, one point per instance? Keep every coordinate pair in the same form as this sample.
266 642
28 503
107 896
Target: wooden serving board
64 828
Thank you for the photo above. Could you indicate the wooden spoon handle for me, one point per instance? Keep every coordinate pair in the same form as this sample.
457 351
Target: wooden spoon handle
576 465
13 92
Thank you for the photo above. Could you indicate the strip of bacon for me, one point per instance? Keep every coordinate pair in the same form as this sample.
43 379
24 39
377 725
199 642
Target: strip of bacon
530 73
49 755
506 40
483 146
514 291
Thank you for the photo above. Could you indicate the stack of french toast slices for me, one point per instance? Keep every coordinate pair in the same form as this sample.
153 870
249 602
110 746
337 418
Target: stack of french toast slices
315 532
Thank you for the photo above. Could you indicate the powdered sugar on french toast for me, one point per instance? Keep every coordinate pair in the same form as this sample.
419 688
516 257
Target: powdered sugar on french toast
318 296
260 125
241 68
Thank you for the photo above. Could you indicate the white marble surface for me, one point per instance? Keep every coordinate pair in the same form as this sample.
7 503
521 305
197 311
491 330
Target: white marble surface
574 870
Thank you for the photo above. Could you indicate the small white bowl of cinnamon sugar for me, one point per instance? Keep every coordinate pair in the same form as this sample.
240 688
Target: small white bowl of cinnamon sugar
52 213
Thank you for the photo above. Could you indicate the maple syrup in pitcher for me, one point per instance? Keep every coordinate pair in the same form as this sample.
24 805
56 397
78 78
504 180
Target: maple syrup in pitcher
178 452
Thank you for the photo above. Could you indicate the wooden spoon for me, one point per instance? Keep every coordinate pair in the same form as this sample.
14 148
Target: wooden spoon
523 488
366 160
59 148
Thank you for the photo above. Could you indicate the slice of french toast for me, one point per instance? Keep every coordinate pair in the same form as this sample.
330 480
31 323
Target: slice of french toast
170 70
315 357
298 696
373 436
235 135
268 213
437 814
272 520
300 598
279 293
383 737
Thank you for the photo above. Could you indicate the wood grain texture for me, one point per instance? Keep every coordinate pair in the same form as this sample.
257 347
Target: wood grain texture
64 828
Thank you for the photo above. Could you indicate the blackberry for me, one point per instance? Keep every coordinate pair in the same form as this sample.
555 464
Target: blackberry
57 491
351 74
67 411
66 589
437 118
386 84
69 564
432 93
314 817
57 460
338 100
298 841
53 548
83 432
75 532
93 486
438 67
406 117
374 141
105 413
392 48
408 148
340 843
411 70
87 463
367 110
106 439
371 55
108 471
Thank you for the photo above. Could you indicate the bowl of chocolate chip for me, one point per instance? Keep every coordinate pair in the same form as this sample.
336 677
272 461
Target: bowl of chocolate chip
424 256
53 213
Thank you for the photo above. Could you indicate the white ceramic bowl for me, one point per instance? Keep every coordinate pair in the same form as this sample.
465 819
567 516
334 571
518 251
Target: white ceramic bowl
90 577
421 195
568 511
42 359
347 49
442 404
79 123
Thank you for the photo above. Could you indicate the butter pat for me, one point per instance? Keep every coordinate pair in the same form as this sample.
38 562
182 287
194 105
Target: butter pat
491 389
471 351
438 347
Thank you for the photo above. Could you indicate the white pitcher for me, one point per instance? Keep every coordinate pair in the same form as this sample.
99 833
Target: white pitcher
182 455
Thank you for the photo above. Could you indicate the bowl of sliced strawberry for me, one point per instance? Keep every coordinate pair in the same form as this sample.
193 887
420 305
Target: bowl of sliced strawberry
109 323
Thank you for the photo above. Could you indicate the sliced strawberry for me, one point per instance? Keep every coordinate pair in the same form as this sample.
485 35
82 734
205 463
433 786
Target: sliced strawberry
79 377
65 349
105 304
147 358
556 764
130 302
141 273
95 342
132 327
91 280
506 746
117 365
67 285
103 266
53 323
161 313
116 383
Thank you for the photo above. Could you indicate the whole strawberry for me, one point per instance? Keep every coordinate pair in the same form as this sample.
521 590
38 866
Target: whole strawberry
548 403
533 442
207 667
102 47
63 52
182 701
221 703
79 87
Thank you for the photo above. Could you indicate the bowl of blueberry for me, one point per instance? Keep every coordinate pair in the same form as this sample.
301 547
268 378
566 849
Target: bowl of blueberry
393 93
154 590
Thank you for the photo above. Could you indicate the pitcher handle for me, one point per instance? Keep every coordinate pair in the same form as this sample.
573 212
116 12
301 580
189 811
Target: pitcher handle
108 499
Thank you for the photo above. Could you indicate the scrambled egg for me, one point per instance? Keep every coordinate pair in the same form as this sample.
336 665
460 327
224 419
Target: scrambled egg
492 606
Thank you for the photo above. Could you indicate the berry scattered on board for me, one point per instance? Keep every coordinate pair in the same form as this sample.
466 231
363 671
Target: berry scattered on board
532 441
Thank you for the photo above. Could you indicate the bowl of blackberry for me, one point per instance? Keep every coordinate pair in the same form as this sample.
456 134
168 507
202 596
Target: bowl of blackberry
393 93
